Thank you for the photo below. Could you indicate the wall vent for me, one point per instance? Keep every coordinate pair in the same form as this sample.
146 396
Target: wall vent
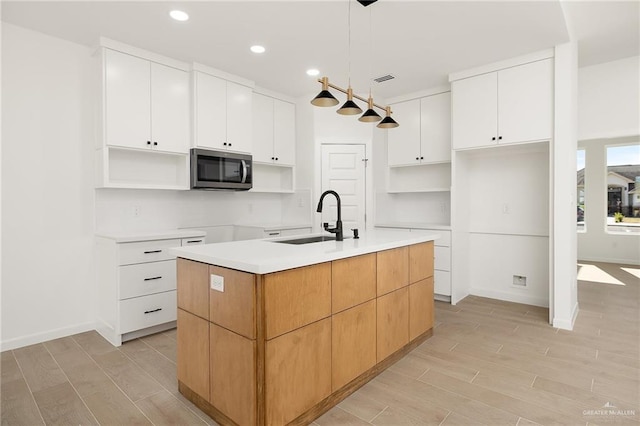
384 78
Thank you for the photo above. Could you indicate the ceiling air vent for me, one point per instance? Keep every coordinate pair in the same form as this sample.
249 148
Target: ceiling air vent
384 78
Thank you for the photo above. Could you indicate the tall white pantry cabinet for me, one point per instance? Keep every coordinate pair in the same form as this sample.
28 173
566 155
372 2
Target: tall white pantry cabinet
502 138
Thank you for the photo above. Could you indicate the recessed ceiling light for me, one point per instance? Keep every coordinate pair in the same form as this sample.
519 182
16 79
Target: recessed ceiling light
313 72
179 15
257 49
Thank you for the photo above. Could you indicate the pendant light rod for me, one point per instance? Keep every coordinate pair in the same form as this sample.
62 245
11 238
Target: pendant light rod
340 89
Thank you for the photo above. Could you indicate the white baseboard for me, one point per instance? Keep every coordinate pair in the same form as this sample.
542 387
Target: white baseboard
32 339
609 260
567 323
509 297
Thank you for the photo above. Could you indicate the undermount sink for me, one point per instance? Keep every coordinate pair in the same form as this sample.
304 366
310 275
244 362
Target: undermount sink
307 240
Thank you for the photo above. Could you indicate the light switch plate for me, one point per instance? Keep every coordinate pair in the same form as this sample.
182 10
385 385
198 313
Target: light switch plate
217 283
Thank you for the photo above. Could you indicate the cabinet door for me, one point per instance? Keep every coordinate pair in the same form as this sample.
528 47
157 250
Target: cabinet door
353 347
239 111
297 372
210 111
193 353
262 128
525 102
404 141
435 128
169 109
474 111
127 100
392 319
284 132
420 307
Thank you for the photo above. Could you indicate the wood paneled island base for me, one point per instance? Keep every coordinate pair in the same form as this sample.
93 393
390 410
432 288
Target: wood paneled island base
282 348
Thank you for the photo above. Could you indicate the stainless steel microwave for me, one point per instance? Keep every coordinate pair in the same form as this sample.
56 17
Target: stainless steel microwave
220 170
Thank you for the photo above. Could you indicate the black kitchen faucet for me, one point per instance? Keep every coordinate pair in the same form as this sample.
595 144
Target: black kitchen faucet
338 229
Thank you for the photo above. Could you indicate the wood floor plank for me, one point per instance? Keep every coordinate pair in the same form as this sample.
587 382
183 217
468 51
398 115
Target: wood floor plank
61 405
17 404
153 363
162 343
495 399
39 368
9 370
93 343
455 419
164 409
362 406
404 388
127 375
61 345
337 416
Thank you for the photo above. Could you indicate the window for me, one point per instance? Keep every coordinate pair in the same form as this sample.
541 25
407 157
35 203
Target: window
623 187
580 191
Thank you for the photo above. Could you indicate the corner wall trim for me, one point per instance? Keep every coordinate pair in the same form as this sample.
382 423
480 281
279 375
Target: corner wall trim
567 324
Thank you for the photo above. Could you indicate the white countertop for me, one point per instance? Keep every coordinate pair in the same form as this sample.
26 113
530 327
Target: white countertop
266 256
123 237
414 225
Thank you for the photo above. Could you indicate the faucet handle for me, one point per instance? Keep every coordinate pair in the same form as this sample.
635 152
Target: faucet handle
355 233
325 225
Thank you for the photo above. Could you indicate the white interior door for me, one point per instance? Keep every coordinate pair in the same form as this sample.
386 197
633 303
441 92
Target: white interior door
343 170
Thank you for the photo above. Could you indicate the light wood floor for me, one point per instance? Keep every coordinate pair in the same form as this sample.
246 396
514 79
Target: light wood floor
489 362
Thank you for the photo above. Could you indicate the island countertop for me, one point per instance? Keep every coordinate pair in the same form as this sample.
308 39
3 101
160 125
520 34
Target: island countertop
267 256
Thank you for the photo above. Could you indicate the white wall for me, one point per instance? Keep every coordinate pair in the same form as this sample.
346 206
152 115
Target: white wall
608 114
609 99
47 188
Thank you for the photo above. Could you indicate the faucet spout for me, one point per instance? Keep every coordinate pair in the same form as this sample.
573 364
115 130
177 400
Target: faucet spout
338 228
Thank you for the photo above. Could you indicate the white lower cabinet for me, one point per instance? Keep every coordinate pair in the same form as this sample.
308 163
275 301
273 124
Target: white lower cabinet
253 232
137 283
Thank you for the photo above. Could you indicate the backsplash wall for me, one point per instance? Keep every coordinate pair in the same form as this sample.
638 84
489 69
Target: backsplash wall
123 210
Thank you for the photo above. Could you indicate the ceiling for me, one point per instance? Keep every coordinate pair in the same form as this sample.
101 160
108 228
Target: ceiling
419 42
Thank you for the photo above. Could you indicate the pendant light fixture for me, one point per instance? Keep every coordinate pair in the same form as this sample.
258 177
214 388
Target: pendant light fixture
387 122
326 99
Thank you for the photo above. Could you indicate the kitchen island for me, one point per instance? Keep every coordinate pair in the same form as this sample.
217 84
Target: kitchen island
272 333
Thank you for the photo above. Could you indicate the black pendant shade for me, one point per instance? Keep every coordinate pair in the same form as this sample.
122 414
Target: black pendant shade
349 108
324 99
387 123
370 116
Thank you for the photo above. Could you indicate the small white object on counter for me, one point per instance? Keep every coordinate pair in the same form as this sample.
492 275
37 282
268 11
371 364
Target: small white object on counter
267 256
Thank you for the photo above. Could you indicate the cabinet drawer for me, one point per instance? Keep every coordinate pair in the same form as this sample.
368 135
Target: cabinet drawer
196 241
442 283
147 311
442 258
146 251
146 278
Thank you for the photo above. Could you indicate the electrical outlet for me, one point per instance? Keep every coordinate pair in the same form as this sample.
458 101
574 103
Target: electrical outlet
443 207
300 202
505 208
136 211
217 283
520 280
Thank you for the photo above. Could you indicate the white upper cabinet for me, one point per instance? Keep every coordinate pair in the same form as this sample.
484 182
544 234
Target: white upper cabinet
222 114
525 102
404 140
146 104
284 132
273 131
424 134
435 128
507 106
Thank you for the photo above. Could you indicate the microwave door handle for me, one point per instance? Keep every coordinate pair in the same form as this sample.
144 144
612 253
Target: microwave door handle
244 171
